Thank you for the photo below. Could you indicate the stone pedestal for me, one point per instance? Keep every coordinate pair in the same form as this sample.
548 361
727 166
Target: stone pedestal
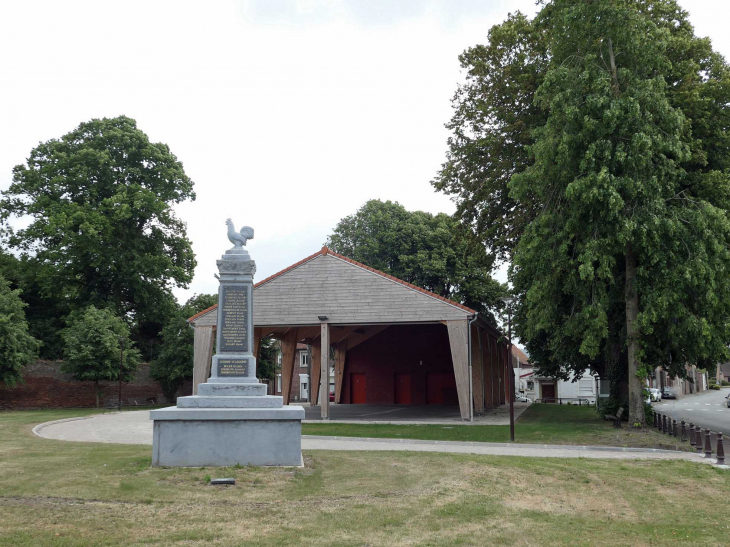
231 420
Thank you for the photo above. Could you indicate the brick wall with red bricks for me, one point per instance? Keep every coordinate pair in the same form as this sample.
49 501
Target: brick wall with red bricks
46 386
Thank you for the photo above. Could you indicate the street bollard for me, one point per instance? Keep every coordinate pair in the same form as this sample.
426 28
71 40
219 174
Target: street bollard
659 422
674 427
691 434
698 439
655 415
720 450
708 444
684 432
664 424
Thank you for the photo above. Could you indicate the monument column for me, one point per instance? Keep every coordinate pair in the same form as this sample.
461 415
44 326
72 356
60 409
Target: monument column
231 420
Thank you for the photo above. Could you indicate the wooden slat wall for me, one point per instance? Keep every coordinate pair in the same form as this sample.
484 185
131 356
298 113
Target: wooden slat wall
487 360
458 340
288 354
204 340
476 369
345 293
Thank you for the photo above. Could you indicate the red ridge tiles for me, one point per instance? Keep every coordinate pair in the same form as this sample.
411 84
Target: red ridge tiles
327 251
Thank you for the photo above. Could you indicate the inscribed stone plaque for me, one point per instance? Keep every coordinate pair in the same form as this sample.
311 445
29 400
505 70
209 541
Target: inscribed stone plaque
234 318
232 367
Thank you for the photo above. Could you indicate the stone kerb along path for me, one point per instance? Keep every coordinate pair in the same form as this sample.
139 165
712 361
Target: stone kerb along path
134 427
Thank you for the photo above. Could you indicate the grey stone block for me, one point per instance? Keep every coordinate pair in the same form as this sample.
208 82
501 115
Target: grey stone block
289 412
231 390
258 401
197 437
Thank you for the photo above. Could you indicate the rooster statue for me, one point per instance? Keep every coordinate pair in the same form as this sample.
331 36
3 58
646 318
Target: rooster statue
238 239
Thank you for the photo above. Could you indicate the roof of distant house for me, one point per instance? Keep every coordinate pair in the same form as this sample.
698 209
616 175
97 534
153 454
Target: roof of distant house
517 352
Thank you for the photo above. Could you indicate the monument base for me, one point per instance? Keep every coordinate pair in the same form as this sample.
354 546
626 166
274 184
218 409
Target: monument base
197 437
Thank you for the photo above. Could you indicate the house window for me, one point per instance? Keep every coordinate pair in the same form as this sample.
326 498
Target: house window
278 383
530 385
304 359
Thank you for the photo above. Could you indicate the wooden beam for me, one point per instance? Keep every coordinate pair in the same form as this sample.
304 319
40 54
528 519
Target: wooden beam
476 370
288 354
340 354
307 332
203 341
315 369
324 378
256 341
459 341
337 334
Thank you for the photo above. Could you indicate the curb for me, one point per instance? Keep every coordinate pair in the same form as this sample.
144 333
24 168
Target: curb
37 429
497 445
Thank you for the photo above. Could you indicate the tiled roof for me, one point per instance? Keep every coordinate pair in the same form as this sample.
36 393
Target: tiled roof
327 251
517 352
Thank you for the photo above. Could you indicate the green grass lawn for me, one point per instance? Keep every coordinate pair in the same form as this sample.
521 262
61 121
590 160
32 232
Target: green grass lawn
70 494
544 424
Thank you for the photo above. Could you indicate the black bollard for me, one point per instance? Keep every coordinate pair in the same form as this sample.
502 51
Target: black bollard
684 432
720 450
698 439
708 444
674 427
655 415
691 434
664 426
659 421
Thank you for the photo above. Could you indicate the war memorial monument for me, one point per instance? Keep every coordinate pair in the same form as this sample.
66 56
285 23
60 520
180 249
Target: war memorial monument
231 420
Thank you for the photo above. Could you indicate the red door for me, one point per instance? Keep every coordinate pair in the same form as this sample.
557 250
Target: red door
548 393
402 389
358 389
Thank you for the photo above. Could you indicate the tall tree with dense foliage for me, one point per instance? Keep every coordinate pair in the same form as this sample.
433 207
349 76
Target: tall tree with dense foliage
420 248
93 342
618 218
102 229
174 363
17 346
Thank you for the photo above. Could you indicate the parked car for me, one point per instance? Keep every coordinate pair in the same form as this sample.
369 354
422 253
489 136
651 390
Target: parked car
521 398
728 401
667 393
647 396
656 395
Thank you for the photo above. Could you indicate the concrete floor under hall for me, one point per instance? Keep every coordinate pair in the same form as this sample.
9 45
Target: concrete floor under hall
409 414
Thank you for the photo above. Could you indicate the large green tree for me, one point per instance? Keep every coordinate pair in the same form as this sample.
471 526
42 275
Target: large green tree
174 362
420 248
93 343
618 216
102 228
17 346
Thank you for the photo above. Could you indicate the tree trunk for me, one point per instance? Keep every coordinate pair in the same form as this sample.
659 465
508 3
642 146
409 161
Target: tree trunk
636 400
96 390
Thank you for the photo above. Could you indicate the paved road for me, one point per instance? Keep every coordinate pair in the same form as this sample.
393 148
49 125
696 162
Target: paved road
136 428
707 409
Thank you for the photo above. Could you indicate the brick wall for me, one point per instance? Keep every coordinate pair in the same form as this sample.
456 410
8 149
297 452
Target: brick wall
47 387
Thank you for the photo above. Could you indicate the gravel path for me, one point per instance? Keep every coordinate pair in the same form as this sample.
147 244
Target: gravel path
135 427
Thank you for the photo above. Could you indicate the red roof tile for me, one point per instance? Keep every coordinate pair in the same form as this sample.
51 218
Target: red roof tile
324 252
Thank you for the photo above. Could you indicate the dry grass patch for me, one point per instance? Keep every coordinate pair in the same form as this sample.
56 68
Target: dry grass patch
73 494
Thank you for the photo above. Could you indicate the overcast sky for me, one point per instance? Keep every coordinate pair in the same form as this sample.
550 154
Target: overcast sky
288 115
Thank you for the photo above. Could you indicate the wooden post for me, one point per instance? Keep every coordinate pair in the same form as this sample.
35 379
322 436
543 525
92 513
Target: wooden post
256 341
324 373
202 355
314 368
340 353
288 354
458 340
476 370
